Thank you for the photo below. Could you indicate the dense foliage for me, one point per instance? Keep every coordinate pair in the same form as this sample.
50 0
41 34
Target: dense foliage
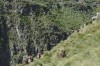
34 26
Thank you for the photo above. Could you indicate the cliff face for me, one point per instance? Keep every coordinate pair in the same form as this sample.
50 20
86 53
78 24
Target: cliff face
4 43
22 30
30 27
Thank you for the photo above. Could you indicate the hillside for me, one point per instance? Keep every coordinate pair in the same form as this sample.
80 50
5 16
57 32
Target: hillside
32 27
82 49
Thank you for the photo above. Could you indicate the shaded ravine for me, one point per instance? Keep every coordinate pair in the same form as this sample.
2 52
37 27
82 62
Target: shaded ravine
4 45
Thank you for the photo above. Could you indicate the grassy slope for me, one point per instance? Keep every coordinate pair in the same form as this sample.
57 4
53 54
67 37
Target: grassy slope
82 49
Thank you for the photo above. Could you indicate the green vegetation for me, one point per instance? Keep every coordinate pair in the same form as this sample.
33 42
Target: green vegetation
82 49
34 26
68 19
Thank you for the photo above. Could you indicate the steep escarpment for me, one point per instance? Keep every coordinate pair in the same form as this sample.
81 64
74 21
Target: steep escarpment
33 27
4 43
